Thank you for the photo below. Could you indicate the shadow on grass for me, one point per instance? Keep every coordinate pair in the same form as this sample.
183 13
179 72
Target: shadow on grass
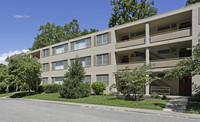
160 105
126 99
22 94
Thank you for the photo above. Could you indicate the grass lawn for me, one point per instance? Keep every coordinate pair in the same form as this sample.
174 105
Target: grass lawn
155 104
193 107
6 94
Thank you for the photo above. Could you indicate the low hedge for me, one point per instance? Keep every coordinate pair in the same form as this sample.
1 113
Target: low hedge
49 88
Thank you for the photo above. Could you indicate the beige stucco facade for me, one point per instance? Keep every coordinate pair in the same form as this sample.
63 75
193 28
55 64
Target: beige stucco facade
168 33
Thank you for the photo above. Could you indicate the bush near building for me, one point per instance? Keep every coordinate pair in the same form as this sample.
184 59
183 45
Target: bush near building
49 88
98 87
73 86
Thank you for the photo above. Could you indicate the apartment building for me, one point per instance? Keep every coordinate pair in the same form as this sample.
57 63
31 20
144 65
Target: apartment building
161 40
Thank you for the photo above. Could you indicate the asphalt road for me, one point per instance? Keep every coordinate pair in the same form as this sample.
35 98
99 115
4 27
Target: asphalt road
16 110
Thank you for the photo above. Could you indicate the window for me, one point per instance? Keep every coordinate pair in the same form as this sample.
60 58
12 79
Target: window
45 81
87 79
86 61
103 78
60 49
58 80
102 39
45 52
171 26
185 25
164 51
85 43
102 59
45 67
164 28
59 65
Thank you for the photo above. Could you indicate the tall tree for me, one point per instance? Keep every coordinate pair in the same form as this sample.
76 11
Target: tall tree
3 78
24 69
189 2
73 86
130 10
51 33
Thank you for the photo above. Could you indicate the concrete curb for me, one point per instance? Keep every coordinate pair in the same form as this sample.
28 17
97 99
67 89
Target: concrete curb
121 109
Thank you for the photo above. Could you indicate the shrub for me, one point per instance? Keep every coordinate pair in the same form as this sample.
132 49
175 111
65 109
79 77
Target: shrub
73 87
156 96
98 87
83 90
41 88
164 96
51 88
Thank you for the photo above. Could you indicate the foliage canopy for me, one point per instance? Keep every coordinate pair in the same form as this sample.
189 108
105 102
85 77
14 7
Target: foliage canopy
51 33
130 10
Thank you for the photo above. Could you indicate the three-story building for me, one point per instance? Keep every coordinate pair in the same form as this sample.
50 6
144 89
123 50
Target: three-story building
161 40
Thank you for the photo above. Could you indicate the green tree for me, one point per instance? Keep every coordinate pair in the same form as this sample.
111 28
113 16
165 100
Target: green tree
189 2
4 84
130 10
131 81
51 33
23 68
186 67
73 86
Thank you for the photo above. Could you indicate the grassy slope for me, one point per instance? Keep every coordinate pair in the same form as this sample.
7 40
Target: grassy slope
156 104
6 94
193 107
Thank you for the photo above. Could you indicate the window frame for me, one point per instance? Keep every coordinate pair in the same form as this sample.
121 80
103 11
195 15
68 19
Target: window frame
87 42
102 59
45 67
45 53
102 78
64 46
102 39
65 65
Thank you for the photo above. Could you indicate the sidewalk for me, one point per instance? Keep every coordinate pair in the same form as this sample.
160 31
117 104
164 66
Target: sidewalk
121 109
177 104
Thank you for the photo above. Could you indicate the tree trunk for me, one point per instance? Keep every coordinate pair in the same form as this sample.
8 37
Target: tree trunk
36 90
7 88
16 88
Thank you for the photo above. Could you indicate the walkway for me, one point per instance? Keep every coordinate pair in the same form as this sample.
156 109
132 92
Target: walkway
177 104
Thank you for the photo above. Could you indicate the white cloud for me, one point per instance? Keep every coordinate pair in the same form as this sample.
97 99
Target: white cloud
21 16
5 55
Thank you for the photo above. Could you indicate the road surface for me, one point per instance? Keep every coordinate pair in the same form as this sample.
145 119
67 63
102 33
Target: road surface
24 111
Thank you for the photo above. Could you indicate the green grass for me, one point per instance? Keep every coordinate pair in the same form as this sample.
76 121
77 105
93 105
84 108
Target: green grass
193 107
6 94
155 104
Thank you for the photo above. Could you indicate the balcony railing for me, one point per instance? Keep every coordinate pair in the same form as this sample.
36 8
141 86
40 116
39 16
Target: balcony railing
160 90
121 66
171 35
163 63
130 42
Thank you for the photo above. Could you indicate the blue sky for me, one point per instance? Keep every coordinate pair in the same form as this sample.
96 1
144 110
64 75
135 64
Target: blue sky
20 19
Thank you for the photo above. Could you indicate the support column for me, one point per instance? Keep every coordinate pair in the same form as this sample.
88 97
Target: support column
147 62
147 34
147 41
195 39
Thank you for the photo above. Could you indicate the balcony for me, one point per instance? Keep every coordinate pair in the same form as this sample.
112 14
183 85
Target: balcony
164 63
171 35
131 65
130 42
